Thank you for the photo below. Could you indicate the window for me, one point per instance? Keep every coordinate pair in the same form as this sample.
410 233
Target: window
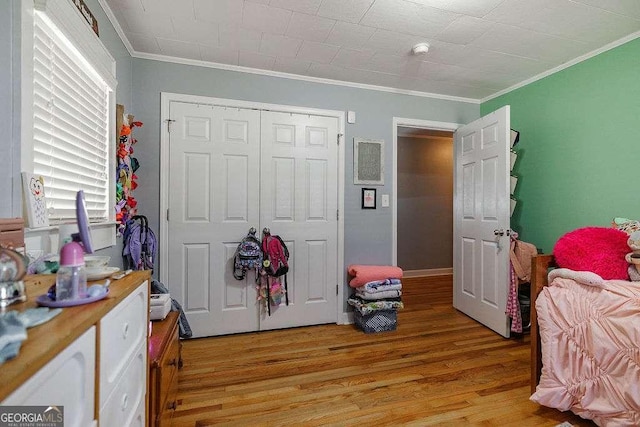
70 125
67 108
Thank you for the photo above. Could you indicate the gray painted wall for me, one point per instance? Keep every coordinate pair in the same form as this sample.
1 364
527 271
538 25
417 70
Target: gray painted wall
112 41
425 203
9 110
368 233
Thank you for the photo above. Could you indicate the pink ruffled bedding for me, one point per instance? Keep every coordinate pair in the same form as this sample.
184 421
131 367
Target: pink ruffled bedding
590 340
363 274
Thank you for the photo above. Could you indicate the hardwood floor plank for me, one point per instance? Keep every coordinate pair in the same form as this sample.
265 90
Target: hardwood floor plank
438 368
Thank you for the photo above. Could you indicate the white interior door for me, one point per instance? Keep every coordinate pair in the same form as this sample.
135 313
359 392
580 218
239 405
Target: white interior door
229 173
482 220
299 202
214 164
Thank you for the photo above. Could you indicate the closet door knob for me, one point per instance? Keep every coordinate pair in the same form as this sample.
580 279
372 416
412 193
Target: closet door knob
498 232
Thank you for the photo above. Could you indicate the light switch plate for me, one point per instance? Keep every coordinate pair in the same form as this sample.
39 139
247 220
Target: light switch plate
385 200
351 116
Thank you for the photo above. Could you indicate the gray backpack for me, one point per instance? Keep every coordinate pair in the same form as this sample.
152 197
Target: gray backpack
248 256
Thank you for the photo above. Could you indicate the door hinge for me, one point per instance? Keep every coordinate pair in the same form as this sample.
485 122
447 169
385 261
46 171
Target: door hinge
169 121
337 214
340 135
337 289
167 214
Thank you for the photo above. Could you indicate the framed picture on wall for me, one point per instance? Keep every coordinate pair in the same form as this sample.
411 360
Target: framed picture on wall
368 161
368 198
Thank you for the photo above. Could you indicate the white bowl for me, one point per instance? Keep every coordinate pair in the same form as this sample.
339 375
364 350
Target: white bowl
98 273
90 261
93 261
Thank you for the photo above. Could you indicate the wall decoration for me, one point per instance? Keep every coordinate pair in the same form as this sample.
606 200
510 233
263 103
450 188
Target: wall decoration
368 198
126 204
368 161
35 205
87 15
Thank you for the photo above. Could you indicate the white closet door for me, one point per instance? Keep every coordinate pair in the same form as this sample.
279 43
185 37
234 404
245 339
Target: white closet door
213 201
299 202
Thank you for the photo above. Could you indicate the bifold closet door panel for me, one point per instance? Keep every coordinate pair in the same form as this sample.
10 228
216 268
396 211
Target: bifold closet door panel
299 202
214 198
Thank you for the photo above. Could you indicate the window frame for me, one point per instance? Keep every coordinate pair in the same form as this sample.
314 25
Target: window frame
66 17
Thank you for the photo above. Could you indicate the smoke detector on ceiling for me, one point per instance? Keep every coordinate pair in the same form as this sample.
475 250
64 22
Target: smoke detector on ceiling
420 49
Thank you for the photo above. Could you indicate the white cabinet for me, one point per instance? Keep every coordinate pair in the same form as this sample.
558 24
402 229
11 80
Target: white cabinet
125 406
67 380
101 376
123 360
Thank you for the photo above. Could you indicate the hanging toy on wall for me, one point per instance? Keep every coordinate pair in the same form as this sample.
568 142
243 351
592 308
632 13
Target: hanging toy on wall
127 165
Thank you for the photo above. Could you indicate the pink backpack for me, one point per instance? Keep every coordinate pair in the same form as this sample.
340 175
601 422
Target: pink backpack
276 252
276 261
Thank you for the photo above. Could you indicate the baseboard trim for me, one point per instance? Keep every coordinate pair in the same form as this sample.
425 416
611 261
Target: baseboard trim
428 272
346 318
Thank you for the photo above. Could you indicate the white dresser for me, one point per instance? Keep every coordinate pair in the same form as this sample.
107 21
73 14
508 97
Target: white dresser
91 359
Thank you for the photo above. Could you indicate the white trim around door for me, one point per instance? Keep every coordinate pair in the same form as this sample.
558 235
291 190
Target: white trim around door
412 123
165 100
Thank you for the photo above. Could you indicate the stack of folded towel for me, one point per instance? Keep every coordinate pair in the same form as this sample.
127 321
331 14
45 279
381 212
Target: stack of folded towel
377 297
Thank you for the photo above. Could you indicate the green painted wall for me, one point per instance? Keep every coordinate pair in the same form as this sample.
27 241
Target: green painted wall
579 151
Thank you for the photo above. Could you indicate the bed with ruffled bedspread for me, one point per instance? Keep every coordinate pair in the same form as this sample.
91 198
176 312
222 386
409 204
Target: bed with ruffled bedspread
590 340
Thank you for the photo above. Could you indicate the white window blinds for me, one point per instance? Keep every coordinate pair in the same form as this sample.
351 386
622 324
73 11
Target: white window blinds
71 119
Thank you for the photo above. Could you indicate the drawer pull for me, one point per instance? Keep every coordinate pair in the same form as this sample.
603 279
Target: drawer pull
125 402
172 405
125 331
172 362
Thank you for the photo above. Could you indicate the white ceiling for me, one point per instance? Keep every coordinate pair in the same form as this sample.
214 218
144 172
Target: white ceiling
478 47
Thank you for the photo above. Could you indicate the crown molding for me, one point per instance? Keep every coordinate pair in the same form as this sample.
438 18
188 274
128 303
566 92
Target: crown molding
270 73
116 25
564 66
199 63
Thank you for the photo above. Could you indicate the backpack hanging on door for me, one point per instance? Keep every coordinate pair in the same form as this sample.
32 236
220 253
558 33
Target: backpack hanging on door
276 261
140 244
276 252
248 256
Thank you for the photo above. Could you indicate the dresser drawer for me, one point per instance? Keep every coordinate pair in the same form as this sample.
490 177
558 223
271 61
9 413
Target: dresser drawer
122 407
164 363
67 380
122 332
169 365
170 405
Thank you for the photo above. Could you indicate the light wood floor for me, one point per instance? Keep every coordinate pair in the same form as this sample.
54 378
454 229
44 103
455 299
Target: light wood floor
438 368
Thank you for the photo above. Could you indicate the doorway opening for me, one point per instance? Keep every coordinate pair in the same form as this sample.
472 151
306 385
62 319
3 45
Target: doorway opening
423 197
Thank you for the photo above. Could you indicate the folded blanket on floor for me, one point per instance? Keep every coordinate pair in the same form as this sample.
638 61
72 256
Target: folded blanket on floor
378 295
381 288
381 285
368 307
363 274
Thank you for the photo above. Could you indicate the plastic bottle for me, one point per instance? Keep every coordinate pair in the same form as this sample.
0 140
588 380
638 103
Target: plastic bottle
71 278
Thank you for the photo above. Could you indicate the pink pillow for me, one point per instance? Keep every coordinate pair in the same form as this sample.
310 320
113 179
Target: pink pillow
597 249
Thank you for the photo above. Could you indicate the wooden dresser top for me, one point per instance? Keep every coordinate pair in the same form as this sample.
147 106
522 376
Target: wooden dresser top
45 341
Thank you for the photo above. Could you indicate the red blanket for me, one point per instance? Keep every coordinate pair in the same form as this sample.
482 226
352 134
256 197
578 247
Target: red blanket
363 274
